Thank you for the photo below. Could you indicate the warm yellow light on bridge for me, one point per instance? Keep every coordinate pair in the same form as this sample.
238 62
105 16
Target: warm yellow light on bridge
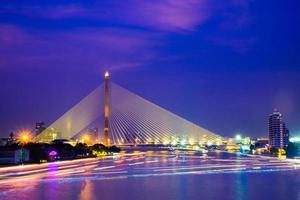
119 142
174 142
191 141
106 74
209 143
137 140
149 141
166 142
218 141
85 139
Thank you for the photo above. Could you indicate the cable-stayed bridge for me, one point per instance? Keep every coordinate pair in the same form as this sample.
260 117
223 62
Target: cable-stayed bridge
123 117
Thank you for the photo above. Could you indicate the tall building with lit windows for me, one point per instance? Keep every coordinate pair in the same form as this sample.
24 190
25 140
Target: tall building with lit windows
278 133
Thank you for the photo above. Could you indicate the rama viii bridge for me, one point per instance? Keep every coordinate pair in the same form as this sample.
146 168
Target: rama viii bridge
124 118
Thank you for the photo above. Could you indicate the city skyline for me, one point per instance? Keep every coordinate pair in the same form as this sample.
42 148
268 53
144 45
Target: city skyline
224 67
161 99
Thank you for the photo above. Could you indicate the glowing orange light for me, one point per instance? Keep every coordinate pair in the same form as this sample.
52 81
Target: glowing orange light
85 139
24 137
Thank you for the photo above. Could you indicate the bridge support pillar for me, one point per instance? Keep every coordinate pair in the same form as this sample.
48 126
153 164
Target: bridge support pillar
106 110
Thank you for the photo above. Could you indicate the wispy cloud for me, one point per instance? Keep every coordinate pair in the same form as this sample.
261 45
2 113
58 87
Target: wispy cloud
168 15
75 48
162 15
125 45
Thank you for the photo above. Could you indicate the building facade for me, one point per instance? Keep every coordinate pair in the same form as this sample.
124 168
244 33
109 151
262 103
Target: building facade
39 128
278 133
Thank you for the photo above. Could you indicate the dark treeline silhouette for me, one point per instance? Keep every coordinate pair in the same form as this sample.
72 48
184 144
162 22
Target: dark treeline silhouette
61 150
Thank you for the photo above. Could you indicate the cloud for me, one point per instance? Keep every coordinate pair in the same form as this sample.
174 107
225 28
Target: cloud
128 44
161 15
113 48
168 15
158 15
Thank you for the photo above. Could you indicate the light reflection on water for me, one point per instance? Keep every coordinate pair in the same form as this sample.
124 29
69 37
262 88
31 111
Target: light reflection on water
156 175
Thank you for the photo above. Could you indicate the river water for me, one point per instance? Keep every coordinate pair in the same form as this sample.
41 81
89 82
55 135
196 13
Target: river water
156 174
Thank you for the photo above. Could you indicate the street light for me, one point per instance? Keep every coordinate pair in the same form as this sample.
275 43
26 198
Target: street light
24 137
238 137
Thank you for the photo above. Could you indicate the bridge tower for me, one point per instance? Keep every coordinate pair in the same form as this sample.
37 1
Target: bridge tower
106 110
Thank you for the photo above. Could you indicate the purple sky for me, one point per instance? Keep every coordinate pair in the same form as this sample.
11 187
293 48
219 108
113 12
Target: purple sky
221 64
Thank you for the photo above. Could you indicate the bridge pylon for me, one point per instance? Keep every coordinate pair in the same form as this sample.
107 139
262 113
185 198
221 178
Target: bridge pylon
106 110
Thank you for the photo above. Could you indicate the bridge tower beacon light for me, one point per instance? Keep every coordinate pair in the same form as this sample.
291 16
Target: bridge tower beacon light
106 109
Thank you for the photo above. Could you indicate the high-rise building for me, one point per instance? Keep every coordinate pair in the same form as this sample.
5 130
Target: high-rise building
278 133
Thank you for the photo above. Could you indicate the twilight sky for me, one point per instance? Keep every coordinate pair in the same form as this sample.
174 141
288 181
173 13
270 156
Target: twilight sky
223 64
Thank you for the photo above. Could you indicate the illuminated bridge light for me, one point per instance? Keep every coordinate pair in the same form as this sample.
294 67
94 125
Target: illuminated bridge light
191 141
183 142
119 142
166 142
238 137
85 139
